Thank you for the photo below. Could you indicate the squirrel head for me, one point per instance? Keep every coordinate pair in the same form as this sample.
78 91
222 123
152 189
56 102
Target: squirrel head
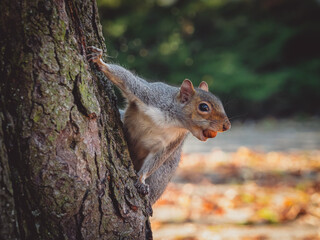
203 112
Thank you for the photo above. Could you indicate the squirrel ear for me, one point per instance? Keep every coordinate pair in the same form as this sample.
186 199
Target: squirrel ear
186 91
204 86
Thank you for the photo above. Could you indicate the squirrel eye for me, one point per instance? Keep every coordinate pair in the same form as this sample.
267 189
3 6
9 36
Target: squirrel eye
203 107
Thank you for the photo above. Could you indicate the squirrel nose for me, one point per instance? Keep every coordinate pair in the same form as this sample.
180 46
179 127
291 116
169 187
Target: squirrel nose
226 125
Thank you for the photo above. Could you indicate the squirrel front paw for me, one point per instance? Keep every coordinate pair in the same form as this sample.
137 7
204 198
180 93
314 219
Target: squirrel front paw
142 188
95 54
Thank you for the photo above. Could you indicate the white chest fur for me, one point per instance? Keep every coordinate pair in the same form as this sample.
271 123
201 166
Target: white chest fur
166 129
159 118
151 127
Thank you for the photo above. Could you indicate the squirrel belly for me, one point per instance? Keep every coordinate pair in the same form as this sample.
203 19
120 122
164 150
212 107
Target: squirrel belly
148 131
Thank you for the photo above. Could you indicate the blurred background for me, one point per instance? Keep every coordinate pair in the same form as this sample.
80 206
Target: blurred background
261 179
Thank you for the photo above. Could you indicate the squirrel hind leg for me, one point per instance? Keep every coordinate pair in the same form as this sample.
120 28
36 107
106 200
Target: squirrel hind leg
141 186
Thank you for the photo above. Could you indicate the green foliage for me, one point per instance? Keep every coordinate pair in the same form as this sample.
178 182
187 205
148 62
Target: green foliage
263 57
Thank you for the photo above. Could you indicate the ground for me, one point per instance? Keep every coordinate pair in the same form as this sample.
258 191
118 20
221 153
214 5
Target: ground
248 186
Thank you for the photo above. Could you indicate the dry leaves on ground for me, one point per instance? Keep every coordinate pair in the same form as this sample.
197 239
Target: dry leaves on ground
242 190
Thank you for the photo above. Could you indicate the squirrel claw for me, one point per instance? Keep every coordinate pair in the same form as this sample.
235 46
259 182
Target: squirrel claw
142 188
94 55
94 49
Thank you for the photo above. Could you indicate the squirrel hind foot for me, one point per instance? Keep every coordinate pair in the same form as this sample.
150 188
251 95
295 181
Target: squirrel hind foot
142 188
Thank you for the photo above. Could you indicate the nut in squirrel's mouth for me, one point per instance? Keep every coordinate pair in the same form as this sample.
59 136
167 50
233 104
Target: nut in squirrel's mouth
209 133
205 134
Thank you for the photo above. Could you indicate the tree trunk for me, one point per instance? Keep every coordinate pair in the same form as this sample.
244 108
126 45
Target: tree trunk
65 171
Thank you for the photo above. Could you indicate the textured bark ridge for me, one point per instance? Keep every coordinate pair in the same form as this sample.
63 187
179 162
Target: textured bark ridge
65 171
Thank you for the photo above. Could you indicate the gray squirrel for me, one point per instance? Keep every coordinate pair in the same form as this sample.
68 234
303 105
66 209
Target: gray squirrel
158 118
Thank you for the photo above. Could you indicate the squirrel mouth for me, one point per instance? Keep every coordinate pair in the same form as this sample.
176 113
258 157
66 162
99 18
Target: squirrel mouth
209 133
205 134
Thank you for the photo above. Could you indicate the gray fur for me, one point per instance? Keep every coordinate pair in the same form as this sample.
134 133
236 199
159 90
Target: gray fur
159 180
157 94
162 96
156 122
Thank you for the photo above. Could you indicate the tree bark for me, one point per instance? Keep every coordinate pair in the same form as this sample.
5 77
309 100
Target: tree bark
65 171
